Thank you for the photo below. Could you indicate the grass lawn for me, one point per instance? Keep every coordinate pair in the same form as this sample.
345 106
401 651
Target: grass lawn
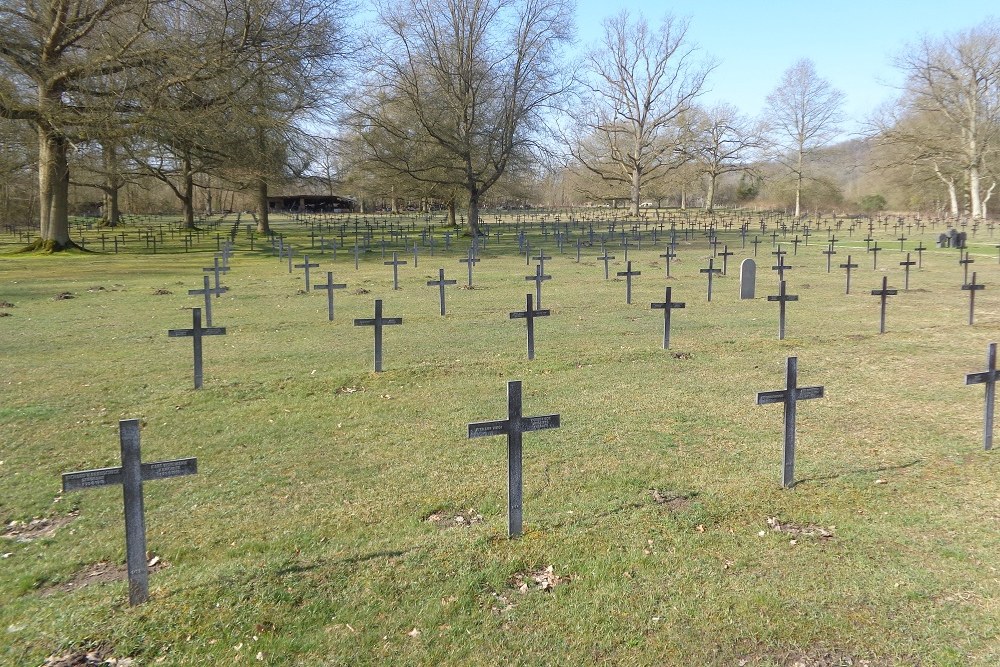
342 517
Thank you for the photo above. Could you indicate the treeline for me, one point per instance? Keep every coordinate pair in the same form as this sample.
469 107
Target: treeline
454 105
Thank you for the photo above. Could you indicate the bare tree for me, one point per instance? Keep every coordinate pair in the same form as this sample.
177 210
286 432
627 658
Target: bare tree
458 88
723 142
641 82
957 79
804 112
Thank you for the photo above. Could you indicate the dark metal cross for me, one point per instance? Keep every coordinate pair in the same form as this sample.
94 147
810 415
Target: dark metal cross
378 322
441 282
725 255
529 314
965 261
711 270
755 242
875 250
208 292
605 258
131 474
906 272
989 378
330 286
884 293
972 288
848 266
667 306
539 278
471 260
829 252
789 396
395 268
781 267
196 332
628 273
307 265
782 298
216 268
514 427
667 256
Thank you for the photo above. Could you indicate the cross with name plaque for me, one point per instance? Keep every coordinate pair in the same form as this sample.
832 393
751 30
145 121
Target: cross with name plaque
789 396
989 378
628 273
378 322
196 332
330 286
514 427
667 306
441 282
906 272
131 474
208 292
884 293
972 288
306 265
529 314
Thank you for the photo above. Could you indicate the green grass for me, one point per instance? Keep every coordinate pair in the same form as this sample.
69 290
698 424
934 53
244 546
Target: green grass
303 537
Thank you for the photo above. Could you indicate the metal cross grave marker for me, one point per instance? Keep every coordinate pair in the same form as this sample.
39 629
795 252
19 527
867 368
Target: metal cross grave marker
782 297
667 306
628 273
196 332
378 322
789 396
131 474
330 286
513 427
972 287
208 292
989 378
883 293
529 314
441 282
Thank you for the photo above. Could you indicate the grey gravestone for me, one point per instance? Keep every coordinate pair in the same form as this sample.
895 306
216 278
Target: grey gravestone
791 394
131 474
513 427
748 279
989 378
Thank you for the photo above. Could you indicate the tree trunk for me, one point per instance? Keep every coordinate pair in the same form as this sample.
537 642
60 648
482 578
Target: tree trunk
684 201
53 189
798 186
952 191
208 198
188 199
974 192
710 197
636 194
451 213
474 213
989 193
263 226
112 185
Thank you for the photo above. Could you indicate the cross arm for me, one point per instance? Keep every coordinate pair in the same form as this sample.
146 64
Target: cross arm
539 423
983 377
484 429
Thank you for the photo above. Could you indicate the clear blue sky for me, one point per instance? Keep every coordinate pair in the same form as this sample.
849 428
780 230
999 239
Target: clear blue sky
852 43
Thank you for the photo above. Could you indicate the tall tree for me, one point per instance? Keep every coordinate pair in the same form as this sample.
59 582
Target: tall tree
458 88
53 55
723 142
957 79
641 83
805 113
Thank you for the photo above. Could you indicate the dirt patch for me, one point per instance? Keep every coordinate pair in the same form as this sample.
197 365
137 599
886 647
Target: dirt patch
671 500
100 655
468 287
21 531
95 288
543 579
99 573
799 530
681 355
361 290
449 518
160 292
812 658
6 304
62 296
4 313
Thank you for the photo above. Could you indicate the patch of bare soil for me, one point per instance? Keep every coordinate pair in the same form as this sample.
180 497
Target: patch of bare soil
813 658
361 290
99 573
672 501
21 531
681 355
449 518
62 296
4 313
98 656
160 292
6 304
799 530
543 579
